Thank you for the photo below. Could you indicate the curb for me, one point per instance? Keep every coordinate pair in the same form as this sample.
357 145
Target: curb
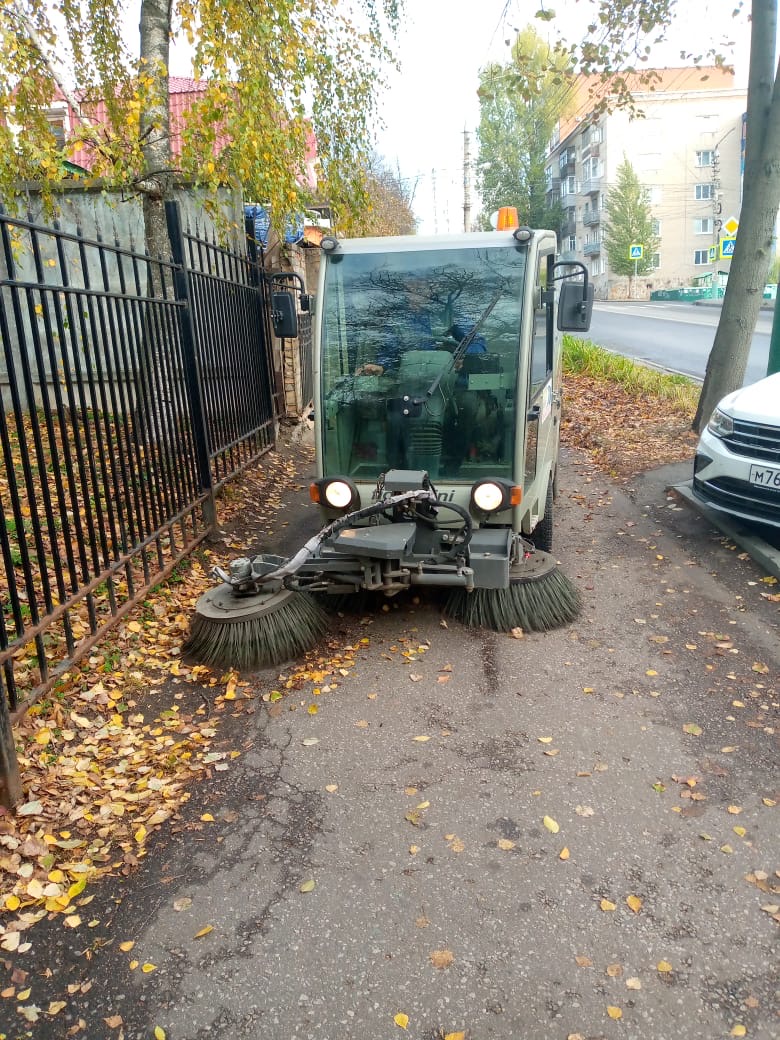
761 551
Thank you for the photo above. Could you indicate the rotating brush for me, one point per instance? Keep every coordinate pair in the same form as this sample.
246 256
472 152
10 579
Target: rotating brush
540 597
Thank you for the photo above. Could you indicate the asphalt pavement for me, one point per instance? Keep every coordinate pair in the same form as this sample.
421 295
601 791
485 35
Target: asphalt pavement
564 835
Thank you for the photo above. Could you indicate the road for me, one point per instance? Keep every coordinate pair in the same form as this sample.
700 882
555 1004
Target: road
675 336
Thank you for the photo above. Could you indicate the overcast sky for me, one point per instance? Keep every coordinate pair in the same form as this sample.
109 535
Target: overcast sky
433 99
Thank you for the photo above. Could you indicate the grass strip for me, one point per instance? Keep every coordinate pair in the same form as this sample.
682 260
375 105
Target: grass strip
582 357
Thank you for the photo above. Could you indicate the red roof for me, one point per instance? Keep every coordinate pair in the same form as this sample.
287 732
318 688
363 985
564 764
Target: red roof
183 93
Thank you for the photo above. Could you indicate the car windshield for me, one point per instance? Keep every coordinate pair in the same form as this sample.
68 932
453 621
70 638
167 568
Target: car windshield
419 361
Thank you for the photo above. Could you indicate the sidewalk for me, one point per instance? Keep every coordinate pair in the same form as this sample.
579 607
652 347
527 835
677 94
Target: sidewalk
570 834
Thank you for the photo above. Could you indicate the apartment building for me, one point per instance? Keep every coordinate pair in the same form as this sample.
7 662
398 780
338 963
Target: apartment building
687 150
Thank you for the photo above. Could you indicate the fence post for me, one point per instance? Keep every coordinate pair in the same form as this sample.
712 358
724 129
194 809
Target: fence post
181 288
10 781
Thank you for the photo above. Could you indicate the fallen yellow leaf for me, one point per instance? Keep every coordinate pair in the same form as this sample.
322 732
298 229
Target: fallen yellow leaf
614 1012
505 844
308 886
331 788
584 962
738 1030
126 947
441 958
401 1020
607 905
664 967
614 970
146 968
544 740
455 1036
735 810
23 994
422 741
550 824
207 817
635 903
204 931
633 983
564 854
159 1033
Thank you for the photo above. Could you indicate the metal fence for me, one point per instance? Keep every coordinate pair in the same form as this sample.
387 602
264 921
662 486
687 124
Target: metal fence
132 388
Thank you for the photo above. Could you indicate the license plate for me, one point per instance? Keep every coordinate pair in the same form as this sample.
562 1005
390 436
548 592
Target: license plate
765 476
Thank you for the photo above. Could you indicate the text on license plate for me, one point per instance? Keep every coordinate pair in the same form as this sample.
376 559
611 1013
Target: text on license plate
765 476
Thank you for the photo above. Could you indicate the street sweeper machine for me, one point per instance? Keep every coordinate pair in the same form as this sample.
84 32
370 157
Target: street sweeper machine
437 407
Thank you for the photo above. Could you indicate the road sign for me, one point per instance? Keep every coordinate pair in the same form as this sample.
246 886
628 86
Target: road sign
731 226
727 248
636 251
713 254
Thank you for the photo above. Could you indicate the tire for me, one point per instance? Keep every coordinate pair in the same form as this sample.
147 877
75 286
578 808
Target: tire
542 535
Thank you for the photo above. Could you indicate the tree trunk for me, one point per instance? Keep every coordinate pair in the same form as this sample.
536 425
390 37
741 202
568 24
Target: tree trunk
761 198
155 126
155 408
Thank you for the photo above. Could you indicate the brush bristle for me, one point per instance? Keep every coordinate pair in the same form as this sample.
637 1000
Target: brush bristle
258 642
535 606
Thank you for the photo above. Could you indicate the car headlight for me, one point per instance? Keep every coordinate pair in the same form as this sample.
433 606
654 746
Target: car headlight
720 424
335 494
491 496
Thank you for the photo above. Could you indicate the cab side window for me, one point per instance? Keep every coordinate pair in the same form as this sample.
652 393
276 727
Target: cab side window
541 345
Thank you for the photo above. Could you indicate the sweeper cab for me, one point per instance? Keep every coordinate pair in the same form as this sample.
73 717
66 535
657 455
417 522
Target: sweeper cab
437 408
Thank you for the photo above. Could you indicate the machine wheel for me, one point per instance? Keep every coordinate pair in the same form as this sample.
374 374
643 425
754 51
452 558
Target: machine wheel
542 535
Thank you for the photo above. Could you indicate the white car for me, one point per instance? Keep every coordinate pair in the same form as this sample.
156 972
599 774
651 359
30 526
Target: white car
737 465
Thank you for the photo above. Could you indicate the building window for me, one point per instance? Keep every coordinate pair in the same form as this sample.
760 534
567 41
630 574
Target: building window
701 256
655 227
548 177
703 192
568 185
704 158
655 263
573 243
702 226
654 195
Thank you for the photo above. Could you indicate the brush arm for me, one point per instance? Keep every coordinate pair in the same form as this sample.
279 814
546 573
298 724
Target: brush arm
246 584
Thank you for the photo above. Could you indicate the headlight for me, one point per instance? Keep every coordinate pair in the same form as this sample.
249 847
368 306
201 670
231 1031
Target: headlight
338 494
720 424
335 494
491 496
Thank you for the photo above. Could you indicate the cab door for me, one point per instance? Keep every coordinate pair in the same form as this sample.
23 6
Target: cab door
543 409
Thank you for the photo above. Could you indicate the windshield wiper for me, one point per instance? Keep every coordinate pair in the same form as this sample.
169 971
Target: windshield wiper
460 350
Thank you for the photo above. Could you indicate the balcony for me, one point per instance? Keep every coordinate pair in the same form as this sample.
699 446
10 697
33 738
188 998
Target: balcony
568 254
567 164
591 217
592 248
553 185
591 185
591 151
568 227
568 198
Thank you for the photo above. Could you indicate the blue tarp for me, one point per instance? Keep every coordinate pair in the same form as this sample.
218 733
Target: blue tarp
293 226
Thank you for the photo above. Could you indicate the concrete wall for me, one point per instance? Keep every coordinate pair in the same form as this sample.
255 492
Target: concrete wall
97 214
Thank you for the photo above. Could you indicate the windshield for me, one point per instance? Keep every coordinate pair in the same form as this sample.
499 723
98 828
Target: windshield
419 361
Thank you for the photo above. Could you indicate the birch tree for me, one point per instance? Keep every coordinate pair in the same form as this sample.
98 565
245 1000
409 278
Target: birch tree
273 73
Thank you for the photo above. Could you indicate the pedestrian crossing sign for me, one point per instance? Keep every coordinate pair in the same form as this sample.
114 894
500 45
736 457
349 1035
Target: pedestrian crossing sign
727 247
636 251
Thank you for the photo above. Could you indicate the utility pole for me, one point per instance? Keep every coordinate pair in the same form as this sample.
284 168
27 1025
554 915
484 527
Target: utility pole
466 183
435 211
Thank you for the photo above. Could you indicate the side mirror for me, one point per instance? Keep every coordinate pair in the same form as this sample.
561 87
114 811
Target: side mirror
284 316
575 306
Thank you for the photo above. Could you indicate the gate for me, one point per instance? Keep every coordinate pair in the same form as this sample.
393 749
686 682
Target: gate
123 408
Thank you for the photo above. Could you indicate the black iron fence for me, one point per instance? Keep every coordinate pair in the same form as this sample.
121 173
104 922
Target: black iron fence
132 388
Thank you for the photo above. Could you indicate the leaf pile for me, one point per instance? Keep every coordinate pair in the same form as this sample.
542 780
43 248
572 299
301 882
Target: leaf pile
624 434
